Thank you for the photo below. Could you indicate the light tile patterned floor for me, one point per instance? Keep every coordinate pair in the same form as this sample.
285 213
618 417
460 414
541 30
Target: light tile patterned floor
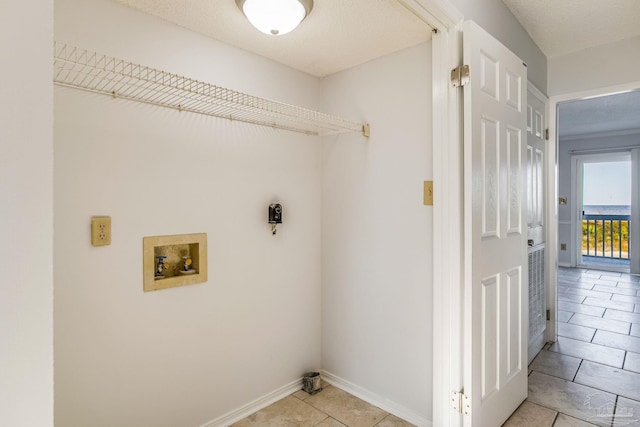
331 407
591 376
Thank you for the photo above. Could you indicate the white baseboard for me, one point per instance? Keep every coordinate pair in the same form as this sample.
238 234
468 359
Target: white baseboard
372 398
253 407
284 391
564 264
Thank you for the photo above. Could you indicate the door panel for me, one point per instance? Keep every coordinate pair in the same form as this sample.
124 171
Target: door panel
490 172
535 169
514 347
514 169
536 146
490 335
495 122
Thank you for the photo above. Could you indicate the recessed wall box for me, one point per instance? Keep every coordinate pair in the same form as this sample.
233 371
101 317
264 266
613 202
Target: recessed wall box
172 261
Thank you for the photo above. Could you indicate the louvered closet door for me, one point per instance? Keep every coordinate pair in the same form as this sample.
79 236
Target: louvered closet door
536 157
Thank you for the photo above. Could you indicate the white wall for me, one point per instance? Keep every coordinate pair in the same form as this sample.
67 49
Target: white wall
26 210
588 142
496 18
377 258
594 68
183 356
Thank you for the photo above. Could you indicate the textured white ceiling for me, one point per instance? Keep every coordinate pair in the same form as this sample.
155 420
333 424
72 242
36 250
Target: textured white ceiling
563 26
603 114
337 34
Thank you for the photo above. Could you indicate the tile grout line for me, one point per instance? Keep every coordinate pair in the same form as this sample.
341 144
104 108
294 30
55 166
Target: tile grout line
323 420
557 377
577 370
615 408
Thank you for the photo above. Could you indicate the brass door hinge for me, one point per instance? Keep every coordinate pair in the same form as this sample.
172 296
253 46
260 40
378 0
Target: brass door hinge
460 76
366 130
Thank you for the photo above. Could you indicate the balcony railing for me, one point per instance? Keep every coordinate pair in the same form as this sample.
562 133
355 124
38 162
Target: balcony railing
605 236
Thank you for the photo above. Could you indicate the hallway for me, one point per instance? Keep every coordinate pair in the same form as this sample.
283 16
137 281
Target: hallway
591 376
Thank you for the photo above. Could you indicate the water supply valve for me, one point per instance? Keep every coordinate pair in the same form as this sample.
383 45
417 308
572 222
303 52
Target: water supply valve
275 216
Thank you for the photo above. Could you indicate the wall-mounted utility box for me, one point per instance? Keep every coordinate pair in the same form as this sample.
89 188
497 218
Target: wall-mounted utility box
173 252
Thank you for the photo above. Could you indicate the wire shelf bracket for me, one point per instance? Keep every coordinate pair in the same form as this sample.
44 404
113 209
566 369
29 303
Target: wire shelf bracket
82 69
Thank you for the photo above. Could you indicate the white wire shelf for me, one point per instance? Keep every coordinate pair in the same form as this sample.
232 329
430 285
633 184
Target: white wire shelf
91 71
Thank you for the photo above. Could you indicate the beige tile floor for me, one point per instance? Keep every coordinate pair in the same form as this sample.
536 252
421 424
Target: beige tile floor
591 376
331 407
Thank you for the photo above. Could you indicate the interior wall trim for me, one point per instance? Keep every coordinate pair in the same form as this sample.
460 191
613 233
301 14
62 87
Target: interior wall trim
606 150
376 400
252 407
600 135
440 15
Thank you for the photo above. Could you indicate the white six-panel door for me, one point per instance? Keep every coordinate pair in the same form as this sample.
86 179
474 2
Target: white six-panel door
495 362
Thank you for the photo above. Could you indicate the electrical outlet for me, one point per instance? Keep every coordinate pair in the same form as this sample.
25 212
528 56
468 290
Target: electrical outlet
563 246
101 230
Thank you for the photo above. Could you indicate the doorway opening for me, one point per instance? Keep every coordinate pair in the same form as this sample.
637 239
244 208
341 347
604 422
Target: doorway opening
593 122
594 126
603 211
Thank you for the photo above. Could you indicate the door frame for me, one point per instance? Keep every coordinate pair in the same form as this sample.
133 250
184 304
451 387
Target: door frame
634 244
448 219
448 243
448 226
577 163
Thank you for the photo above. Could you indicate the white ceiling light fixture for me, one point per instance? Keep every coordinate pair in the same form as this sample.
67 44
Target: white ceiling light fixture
275 17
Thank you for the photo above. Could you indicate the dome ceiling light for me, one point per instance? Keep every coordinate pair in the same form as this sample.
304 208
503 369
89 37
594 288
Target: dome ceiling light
275 17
